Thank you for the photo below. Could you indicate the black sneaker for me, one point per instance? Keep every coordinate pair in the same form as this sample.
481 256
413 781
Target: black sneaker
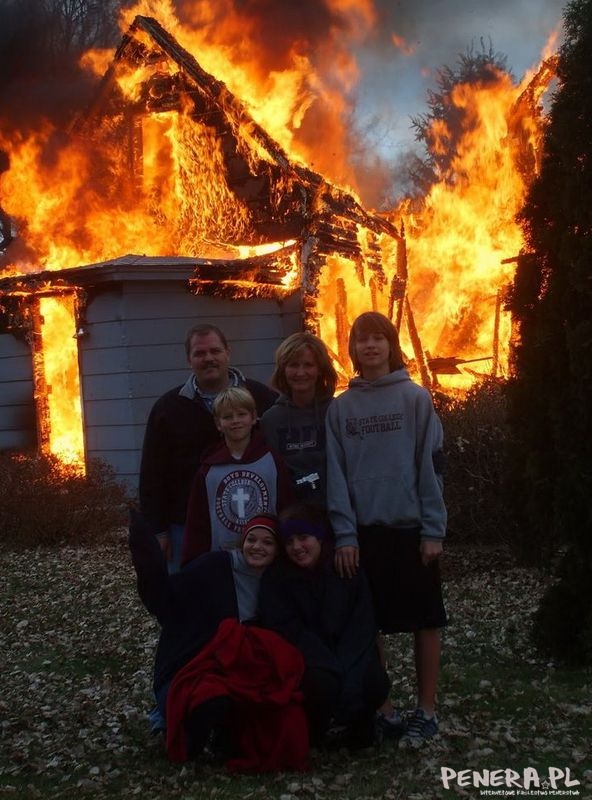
392 726
420 727
362 733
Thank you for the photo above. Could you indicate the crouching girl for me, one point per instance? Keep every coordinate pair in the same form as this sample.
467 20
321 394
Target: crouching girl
331 622
215 671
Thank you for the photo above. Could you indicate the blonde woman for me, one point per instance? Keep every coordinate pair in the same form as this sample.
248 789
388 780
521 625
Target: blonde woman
294 426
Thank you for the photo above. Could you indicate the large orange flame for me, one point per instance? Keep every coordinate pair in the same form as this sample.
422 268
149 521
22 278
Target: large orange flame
463 242
57 378
460 241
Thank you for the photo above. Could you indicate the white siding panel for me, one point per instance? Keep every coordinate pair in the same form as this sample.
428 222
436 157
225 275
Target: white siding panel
18 427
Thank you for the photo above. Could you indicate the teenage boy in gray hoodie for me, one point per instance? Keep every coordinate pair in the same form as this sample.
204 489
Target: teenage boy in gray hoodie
385 502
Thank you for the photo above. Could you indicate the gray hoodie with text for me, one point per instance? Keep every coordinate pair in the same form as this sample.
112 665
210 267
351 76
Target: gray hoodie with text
383 437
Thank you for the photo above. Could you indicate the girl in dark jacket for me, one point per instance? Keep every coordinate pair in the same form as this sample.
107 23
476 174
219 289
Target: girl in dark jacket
331 622
200 610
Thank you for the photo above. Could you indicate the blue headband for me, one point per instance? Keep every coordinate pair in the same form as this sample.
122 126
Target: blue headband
302 527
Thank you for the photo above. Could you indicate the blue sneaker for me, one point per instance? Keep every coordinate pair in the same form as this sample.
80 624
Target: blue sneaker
391 726
157 721
420 727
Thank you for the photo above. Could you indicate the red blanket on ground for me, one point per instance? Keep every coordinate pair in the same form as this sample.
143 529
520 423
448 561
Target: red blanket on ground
261 673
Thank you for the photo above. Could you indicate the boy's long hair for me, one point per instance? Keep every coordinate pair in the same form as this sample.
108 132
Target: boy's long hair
234 397
374 322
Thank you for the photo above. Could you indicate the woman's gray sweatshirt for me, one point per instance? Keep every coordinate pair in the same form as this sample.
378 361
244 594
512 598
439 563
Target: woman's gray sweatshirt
298 435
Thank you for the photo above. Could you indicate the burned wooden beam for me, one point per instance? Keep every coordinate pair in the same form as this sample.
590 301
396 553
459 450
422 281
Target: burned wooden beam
450 365
341 321
272 269
399 283
496 326
38 283
163 92
346 249
235 290
275 275
372 246
217 90
374 265
374 293
418 352
339 226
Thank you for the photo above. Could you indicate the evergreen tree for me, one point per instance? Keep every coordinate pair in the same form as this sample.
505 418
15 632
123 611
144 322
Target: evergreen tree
446 119
550 399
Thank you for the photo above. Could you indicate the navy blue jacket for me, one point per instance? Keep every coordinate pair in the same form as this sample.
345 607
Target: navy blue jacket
330 619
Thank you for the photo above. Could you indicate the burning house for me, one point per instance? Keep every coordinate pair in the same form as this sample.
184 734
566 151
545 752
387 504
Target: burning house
87 345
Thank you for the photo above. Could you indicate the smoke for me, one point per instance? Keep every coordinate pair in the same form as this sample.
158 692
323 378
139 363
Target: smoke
382 58
40 44
437 30
414 40
273 30
372 61
390 42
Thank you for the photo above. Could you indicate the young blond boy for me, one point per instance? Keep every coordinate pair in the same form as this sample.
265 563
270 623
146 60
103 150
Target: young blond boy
238 478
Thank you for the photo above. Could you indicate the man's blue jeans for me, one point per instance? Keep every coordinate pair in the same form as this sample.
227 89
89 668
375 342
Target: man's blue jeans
176 532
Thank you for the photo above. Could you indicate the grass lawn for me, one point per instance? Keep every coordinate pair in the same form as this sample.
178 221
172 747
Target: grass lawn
76 655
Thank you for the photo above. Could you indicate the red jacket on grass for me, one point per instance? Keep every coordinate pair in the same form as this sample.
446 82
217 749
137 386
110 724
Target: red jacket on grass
261 673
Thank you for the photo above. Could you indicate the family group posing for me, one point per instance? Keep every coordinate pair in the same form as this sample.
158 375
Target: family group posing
281 532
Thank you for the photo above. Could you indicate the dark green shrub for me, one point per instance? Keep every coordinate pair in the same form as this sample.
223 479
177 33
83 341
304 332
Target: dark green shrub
475 437
563 621
551 305
44 502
